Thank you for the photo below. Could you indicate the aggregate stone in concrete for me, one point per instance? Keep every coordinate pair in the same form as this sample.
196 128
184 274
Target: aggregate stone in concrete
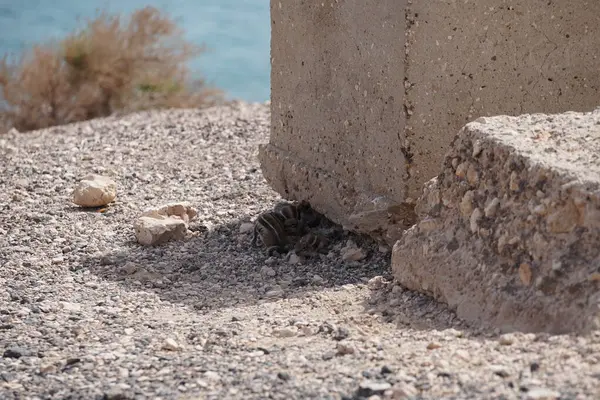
509 231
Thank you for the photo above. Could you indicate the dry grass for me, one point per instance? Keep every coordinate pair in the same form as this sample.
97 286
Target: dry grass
107 66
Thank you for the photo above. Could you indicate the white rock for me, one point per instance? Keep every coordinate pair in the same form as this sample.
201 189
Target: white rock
542 394
70 306
401 391
274 293
171 345
212 375
294 259
285 332
507 339
182 210
95 191
157 229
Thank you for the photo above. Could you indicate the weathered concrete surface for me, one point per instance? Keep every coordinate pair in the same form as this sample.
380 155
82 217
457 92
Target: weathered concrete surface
336 104
367 95
468 59
509 231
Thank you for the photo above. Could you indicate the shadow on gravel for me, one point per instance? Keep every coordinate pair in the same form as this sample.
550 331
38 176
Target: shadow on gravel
219 268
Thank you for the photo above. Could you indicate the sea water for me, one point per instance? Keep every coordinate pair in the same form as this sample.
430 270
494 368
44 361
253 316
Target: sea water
236 33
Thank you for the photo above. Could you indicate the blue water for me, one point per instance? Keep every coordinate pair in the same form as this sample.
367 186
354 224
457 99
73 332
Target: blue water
236 32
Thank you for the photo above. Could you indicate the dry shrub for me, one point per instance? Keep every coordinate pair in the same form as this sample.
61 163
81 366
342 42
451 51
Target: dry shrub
103 68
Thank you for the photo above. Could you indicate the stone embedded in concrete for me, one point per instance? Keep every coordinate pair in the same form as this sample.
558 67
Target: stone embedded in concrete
366 96
518 247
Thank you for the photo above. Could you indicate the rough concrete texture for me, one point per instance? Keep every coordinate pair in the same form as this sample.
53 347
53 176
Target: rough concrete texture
336 85
366 96
509 231
487 57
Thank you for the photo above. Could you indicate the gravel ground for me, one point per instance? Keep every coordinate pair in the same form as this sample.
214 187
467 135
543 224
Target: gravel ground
87 313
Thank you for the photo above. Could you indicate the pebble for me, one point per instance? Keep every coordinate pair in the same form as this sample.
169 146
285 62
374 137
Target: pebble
401 391
285 332
542 394
274 293
95 191
15 352
152 230
506 339
68 306
171 345
369 388
212 375
433 346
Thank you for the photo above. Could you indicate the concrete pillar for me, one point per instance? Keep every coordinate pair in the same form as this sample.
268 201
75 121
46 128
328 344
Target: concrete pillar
366 95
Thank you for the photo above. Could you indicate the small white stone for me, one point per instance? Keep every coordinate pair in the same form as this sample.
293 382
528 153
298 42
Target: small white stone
274 293
294 259
285 332
70 306
474 220
401 391
182 210
171 345
542 394
491 209
506 339
95 191
157 229
212 375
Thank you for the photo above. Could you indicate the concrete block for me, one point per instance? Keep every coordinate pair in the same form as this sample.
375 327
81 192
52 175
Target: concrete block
367 95
475 58
509 231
